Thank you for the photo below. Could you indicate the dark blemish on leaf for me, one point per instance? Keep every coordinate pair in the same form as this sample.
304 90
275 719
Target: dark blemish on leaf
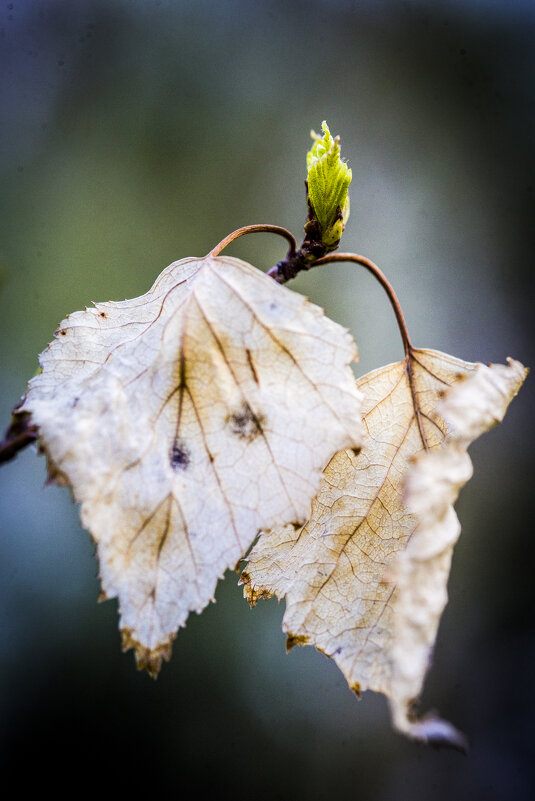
75 402
272 306
356 689
298 639
146 658
63 332
253 594
102 314
251 366
180 456
355 451
244 423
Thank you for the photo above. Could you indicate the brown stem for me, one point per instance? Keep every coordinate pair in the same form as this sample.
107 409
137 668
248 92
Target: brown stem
376 272
394 302
19 434
255 229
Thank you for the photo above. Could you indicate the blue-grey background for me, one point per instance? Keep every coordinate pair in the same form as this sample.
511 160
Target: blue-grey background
136 133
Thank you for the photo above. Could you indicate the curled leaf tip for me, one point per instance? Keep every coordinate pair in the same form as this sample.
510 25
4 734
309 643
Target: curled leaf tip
328 179
438 733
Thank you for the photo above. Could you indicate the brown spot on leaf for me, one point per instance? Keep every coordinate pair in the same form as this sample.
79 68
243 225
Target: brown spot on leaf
149 659
251 594
356 689
244 423
296 639
180 456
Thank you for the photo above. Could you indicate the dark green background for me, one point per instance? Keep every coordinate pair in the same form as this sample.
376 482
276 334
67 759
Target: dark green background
137 133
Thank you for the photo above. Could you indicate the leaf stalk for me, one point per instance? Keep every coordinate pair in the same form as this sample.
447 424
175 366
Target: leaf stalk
385 283
256 229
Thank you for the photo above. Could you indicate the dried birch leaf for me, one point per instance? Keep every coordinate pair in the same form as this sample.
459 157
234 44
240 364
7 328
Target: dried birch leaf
185 421
365 578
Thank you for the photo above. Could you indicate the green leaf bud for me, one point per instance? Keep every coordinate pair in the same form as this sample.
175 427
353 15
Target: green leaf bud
328 179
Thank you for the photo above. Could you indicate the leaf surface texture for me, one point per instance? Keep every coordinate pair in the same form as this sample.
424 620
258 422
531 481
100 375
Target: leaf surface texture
365 578
185 421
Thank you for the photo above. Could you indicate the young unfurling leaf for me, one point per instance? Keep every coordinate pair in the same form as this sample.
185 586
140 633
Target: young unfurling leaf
328 179
365 578
185 421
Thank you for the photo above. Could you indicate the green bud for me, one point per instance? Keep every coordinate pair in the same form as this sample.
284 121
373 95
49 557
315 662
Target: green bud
328 179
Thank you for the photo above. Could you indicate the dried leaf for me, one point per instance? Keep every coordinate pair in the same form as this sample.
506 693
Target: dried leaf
365 578
185 421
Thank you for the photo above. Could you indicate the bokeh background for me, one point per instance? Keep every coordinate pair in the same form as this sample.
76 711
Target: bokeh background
136 133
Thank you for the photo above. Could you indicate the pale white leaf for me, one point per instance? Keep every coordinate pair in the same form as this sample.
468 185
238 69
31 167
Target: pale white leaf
432 484
185 421
360 582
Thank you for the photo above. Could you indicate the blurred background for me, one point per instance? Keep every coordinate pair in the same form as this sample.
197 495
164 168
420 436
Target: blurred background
137 133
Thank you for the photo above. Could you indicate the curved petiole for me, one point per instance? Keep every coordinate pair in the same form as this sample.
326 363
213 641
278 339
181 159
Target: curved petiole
255 229
402 325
